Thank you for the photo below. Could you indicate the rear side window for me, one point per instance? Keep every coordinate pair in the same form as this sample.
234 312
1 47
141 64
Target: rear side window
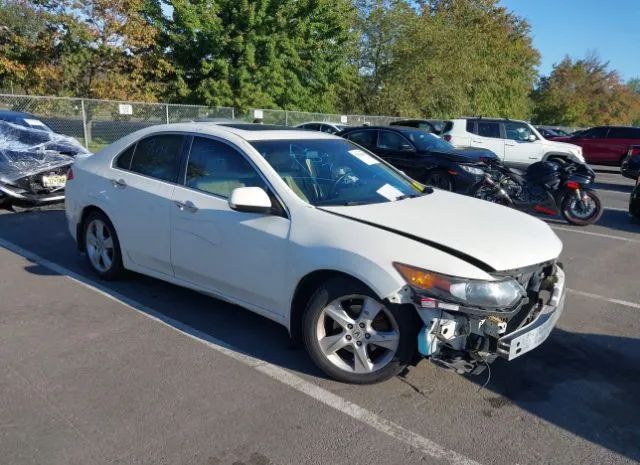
624 133
124 159
489 129
158 157
364 138
217 168
448 126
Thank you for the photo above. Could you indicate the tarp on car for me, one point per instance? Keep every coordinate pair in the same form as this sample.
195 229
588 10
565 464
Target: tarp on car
27 151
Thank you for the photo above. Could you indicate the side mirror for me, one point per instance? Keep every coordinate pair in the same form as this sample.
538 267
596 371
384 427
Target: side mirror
250 199
531 138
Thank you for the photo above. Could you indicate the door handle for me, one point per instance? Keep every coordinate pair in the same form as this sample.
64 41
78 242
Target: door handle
186 206
510 144
119 183
476 141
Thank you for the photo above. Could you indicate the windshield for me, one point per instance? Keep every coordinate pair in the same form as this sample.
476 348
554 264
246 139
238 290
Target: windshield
335 172
426 141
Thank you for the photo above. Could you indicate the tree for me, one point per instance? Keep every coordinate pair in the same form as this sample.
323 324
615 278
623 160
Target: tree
260 53
465 57
584 92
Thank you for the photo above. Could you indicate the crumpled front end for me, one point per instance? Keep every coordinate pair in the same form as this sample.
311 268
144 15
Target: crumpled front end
467 340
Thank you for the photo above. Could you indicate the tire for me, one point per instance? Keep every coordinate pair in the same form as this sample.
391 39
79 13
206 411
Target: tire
568 209
440 179
339 303
101 246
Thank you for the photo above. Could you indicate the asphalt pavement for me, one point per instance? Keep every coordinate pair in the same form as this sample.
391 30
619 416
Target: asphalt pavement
140 371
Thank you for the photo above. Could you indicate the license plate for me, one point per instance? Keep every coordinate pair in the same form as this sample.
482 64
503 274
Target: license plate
54 181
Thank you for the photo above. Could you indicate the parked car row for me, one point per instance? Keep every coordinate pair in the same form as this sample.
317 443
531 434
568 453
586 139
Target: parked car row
367 268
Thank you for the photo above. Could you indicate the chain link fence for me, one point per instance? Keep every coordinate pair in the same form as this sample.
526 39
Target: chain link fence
97 123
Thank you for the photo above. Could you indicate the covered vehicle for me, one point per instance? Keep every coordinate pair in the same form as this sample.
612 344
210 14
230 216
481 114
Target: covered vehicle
34 165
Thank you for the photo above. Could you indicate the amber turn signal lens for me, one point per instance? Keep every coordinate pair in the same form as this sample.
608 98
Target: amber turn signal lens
422 279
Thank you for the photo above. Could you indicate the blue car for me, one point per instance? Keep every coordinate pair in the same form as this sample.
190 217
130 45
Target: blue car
23 119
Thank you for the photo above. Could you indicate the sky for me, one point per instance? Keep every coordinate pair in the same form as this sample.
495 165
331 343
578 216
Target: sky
611 28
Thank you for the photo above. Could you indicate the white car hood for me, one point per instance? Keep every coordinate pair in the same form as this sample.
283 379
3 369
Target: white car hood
500 237
564 146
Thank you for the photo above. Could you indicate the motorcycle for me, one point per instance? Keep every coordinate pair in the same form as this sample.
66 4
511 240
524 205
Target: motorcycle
546 187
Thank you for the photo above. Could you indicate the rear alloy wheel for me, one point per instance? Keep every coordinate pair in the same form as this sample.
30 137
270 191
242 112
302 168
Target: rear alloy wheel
102 247
355 338
440 179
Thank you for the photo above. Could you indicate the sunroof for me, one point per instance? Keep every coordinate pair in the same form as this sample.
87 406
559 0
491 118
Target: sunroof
255 126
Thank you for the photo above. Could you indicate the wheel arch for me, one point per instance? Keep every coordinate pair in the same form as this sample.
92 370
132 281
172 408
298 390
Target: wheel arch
305 288
550 155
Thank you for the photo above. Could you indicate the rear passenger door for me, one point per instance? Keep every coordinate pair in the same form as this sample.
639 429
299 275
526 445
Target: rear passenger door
140 191
220 250
487 135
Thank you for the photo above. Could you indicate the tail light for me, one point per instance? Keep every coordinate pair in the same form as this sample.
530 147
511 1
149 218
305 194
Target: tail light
447 137
70 174
573 185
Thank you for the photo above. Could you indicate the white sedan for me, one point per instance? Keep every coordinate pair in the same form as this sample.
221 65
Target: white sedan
363 265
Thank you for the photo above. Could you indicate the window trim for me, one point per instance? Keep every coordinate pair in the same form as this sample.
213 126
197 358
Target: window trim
398 133
162 133
283 209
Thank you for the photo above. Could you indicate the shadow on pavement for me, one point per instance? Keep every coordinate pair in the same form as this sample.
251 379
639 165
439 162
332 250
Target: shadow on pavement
587 384
610 186
583 383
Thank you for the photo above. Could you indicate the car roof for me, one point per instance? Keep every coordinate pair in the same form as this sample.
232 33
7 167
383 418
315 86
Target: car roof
321 122
246 131
15 114
403 129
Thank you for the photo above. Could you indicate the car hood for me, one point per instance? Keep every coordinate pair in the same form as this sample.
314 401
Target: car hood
480 232
559 144
464 154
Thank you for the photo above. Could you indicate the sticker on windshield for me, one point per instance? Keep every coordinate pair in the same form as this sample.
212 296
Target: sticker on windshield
363 156
389 192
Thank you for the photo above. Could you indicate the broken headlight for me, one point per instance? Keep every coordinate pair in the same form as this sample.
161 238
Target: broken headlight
465 292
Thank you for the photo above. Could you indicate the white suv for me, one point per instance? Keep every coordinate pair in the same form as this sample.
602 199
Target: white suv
516 143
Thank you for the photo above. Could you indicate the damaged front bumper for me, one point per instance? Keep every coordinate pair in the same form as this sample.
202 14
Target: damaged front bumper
468 341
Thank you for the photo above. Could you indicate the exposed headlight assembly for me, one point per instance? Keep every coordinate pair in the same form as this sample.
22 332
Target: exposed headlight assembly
472 170
494 295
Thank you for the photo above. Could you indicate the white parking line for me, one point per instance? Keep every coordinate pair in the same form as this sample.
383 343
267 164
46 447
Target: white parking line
626 303
589 233
418 442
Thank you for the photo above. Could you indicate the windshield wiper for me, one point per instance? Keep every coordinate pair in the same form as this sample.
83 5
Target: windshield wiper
408 196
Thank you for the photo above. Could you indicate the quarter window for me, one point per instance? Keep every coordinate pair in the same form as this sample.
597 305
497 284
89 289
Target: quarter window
488 129
217 168
158 157
124 159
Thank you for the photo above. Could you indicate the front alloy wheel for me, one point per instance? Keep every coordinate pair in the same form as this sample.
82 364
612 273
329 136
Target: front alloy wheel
354 337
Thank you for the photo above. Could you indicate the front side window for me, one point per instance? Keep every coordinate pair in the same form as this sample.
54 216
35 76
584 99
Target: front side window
217 168
426 141
488 129
517 131
364 138
158 157
388 140
335 172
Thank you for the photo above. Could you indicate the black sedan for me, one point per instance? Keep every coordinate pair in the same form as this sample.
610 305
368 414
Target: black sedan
631 165
634 201
423 156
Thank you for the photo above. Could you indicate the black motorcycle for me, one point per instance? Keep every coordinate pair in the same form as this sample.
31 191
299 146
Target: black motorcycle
547 187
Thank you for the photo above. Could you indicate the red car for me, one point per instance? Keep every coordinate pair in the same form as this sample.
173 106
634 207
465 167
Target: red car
605 145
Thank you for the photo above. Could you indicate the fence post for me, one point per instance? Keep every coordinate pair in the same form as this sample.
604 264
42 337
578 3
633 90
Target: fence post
286 118
233 113
85 129
166 109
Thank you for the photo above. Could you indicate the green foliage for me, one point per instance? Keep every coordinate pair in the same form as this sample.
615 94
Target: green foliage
260 53
585 93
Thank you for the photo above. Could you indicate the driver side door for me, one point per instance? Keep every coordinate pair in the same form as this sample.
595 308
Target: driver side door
519 151
400 152
233 254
